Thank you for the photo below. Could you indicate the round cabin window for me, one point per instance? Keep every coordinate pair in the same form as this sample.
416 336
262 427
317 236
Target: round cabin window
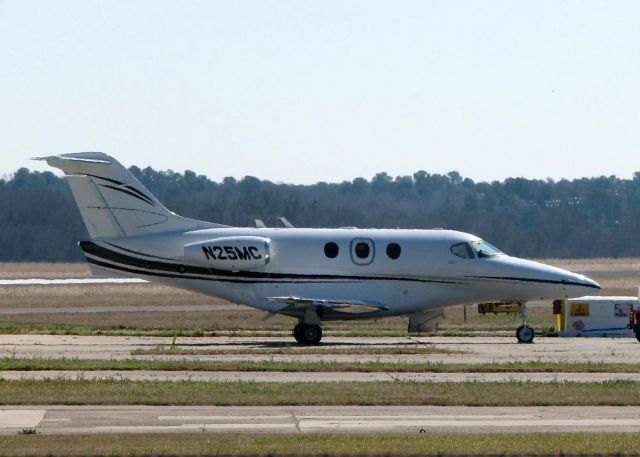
362 250
393 250
331 250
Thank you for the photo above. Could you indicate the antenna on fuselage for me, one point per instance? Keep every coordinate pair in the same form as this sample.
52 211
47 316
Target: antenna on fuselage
260 224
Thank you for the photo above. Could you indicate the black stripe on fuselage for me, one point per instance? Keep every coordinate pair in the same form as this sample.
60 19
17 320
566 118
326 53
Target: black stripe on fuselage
543 281
105 254
139 253
124 269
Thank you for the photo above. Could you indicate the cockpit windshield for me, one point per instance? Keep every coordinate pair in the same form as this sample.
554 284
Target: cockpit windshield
480 249
484 249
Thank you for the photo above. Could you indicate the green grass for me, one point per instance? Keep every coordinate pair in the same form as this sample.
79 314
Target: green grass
400 393
38 328
33 364
279 348
245 322
41 328
532 444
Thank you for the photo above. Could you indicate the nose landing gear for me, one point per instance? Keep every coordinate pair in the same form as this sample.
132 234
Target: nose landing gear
524 333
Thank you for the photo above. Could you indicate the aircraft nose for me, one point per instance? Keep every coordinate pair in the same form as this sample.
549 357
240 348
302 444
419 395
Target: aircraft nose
582 281
554 282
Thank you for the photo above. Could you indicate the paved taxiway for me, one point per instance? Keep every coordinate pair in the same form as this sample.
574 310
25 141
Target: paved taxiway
67 281
351 349
313 377
121 309
312 419
304 419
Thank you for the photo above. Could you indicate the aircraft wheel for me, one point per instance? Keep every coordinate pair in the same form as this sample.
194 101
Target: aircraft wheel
298 333
312 334
525 334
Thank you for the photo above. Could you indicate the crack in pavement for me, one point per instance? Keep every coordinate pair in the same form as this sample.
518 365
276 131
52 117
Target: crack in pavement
296 421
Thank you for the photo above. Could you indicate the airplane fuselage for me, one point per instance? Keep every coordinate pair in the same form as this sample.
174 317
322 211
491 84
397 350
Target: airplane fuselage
406 271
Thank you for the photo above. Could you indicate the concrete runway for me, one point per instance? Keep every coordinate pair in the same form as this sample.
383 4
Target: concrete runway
354 419
121 309
373 419
465 349
67 281
314 377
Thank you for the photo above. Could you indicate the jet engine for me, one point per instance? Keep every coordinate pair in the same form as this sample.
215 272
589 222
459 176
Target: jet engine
230 253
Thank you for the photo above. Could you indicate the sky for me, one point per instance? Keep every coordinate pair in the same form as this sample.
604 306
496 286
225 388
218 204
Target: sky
306 91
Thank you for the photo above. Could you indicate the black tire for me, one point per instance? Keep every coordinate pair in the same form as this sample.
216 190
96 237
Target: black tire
638 335
312 334
298 333
525 334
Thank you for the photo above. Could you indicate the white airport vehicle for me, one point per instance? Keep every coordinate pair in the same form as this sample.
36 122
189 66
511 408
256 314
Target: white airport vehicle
597 316
313 275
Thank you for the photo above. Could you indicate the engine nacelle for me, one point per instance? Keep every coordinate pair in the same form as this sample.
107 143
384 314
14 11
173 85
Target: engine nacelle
230 253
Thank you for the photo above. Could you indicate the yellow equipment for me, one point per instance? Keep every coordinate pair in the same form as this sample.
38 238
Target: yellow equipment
499 308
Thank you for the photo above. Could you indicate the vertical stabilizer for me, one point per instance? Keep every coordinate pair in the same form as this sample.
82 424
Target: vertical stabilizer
112 202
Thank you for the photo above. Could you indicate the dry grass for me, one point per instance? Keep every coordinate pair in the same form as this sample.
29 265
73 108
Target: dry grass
39 364
20 364
209 321
230 444
96 295
541 317
393 393
618 285
145 294
249 321
159 295
296 349
624 283
606 263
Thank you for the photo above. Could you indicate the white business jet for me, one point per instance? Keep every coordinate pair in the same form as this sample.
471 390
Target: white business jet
313 275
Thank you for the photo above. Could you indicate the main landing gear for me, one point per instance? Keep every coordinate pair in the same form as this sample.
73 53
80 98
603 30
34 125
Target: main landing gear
308 330
307 334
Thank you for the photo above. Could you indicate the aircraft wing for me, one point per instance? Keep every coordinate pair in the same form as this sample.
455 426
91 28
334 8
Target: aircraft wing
314 303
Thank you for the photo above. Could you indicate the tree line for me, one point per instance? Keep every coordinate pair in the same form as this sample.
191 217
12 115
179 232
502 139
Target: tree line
588 217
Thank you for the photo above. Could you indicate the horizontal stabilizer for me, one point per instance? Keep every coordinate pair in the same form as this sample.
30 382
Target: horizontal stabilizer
62 159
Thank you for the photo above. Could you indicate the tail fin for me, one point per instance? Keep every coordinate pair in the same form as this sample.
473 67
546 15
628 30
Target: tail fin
112 201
